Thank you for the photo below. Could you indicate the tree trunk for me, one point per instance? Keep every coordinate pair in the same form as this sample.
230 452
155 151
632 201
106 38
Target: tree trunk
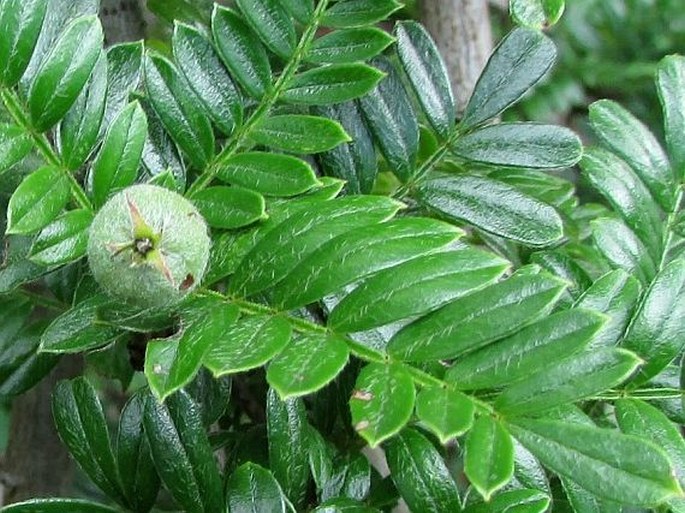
461 29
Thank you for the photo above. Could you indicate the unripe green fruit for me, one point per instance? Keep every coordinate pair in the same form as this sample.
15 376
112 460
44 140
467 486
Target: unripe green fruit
148 246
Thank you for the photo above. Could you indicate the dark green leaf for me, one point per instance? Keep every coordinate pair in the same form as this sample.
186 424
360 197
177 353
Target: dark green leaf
201 66
352 256
548 188
182 454
494 207
657 331
420 474
124 66
477 319
670 81
382 402
335 83
301 10
58 506
528 351
426 70
20 24
160 153
116 165
248 344
350 45
64 240
79 130
536 14
299 133
81 425
252 488
174 102
211 394
568 380
64 72
15 144
229 207
521 144
270 20
272 174
583 501
609 464
391 119
241 51
560 264
447 413
519 62
288 430
16 268
344 505
489 456
513 501
354 13
38 200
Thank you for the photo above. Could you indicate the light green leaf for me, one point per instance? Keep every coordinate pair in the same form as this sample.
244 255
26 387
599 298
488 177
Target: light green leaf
64 240
58 506
521 59
352 256
513 501
335 83
348 45
355 13
64 72
307 364
489 456
38 200
272 174
124 67
427 74
420 474
270 20
531 145
301 10
248 344
20 24
583 501
447 413
536 14
15 144
475 320
529 351
494 207
299 133
670 82
607 463
382 402
253 488
229 207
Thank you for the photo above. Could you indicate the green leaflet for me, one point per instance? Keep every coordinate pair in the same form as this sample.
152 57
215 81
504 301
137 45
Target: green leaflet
352 256
301 10
392 121
182 454
270 20
561 265
211 394
519 501
272 174
299 133
531 145
160 153
335 83
58 506
64 72
241 52
15 144
64 240
670 82
420 474
247 344
287 243
307 364
288 433
355 13
447 413
541 185
172 363
81 424
489 456
205 73
173 101
124 67
38 200
348 45
382 402
116 165
427 74
17 268
20 24
80 128
568 380
529 351
609 464
229 207
477 319
583 501
657 330
252 488
520 60
536 14
344 505
631 140
492 206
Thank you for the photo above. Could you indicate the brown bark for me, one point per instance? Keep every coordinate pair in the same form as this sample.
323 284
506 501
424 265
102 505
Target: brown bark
122 20
461 29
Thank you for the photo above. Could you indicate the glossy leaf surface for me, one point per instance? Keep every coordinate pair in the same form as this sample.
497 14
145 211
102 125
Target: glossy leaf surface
335 83
253 488
229 207
64 240
299 133
447 413
489 457
20 24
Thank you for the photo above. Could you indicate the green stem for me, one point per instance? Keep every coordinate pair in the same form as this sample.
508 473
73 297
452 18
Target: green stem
264 107
670 221
16 110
